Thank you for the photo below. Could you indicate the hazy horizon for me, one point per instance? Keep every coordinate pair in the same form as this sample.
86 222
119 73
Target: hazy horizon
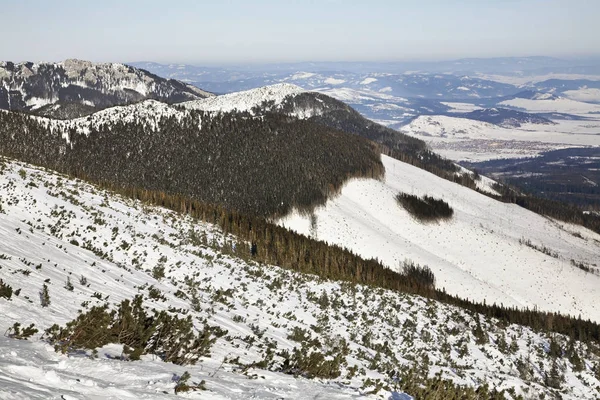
267 31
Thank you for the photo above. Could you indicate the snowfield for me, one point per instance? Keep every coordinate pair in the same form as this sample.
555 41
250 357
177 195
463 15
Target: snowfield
584 94
475 255
559 105
55 229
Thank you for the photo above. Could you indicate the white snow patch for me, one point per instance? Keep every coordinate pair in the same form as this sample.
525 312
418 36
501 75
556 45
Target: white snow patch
368 81
334 81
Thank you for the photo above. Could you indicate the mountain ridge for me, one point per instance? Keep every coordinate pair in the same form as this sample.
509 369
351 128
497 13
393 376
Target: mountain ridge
74 88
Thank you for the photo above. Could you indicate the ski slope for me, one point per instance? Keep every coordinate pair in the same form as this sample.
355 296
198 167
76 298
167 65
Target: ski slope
475 255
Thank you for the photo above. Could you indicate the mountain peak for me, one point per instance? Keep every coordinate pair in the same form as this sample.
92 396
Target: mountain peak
246 100
74 88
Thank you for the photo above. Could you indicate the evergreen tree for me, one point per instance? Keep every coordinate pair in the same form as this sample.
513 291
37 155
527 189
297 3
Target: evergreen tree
45 296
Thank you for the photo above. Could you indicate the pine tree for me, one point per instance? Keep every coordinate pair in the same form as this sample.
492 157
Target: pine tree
554 378
5 290
69 285
45 296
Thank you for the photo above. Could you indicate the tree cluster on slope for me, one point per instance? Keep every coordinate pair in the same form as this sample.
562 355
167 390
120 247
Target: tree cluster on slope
425 208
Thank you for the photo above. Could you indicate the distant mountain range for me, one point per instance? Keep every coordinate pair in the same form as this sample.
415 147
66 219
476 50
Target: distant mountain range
393 94
75 88
497 65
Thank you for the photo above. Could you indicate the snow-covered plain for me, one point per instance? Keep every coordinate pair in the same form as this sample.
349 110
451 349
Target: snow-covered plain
54 228
584 94
465 139
475 255
558 105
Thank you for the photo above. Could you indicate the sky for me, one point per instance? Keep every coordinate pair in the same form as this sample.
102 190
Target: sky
237 31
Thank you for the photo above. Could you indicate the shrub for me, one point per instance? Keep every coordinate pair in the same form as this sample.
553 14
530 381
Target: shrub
44 296
16 332
183 384
158 272
5 290
169 337
311 364
425 208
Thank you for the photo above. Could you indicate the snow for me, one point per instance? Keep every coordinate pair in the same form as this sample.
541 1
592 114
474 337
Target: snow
354 96
245 100
37 102
334 81
47 220
584 94
560 105
476 255
461 107
300 75
368 81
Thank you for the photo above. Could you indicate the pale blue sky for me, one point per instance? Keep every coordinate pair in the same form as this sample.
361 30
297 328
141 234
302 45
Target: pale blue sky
236 31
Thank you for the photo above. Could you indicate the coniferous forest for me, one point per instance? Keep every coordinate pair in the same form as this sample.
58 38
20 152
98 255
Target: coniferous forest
259 166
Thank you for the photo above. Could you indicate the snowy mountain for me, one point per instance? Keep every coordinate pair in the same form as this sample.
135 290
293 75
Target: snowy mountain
246 100
74 88
72 249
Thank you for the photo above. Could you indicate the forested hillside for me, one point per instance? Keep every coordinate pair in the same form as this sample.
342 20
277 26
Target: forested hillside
260 166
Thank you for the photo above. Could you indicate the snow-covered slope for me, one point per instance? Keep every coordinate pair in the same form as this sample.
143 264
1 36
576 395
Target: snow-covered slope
475 255
150 112
56 230
245 100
